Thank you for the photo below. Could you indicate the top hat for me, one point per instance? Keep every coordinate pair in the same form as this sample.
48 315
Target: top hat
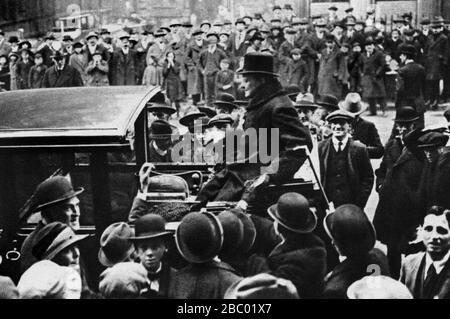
351 230
406 114
190 118
378 287
53 239
350 9
150 226
293 213
340 115
54 191
262 286
160 130
292 90
329 102
353 104
305 101
115 244
161 109
199 237
432 140
233 234
333 8
258 63
92 34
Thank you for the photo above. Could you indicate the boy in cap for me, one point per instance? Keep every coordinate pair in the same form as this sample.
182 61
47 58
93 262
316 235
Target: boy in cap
37 72
225 78
345 168
151 241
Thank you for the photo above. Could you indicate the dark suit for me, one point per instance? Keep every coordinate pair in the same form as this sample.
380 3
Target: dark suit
374 67
47 52
164 278
123 68
353 269
68 77
366 132
412 275
435 64
411 87
360 172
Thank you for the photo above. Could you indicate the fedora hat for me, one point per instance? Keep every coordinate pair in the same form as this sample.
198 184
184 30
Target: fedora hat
225 100
92 34
52 239
258 63
58 55
340 115
220 119
329 102
305 101
199 237
210 112
161 109
249 230
150 226
233 234
189 119
406 114
351 230
437 22
262 286
408 49
160 130
115 244
54 191
353 104
293 213
432 140
378 287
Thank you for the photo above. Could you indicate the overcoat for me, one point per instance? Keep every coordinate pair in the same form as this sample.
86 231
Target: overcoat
436 56
194 76
68 77
373 75
123 68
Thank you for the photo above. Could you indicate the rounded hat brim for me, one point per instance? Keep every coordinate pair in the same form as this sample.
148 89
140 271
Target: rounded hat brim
244 72
186 120
309 227
406 120
327 105
76 192
52 254
105 261
311 106
152 236
361 111
162 109
226 104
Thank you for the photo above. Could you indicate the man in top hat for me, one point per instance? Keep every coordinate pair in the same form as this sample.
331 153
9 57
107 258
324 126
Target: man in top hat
363 130
436 60
57 201
124 63
301 255
5 47
151 241
209 65
353 237
160 142
93 46
427 274
269 108
199 239
23 69
374 69
397 183
61 74
345 168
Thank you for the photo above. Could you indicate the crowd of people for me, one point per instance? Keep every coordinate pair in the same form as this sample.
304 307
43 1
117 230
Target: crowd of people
307 78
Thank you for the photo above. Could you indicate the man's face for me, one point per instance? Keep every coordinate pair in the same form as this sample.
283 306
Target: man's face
287 13
404 128
437 30
227 28
69 257
240 26
69 213
163 144
150 253
125 43
359 27
275 32
25 55
205 28
60 62
425 27
38 61
212 40
199 37
97 58
223 38
370 48
67 43
395 35
436 236
340 128
402 58
92 41
330 45
357 48
250 83
277 14
432 154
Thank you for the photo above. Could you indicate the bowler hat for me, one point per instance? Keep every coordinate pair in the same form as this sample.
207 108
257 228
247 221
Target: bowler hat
199 237
262 286
159 108
329 102
54 191
160 129
53 239
432 140
190 118
150 226
287 6
351 230
227 22
92 34
187 24
305 101
115 244
333 8
210 112
369 41
276 7
289 30
124 280
14 54
78 45
197 31
292 90
340 115
293 213
406 114
205 22
213 34
220 119
233 234
353 104
258 63
27 43
378 287
240 20
13 39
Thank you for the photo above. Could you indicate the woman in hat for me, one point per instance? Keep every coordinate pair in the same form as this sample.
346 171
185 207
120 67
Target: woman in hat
23 69
199 239
172 80
13 62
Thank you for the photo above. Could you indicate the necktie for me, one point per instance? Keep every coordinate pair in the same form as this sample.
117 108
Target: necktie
340 147
429 283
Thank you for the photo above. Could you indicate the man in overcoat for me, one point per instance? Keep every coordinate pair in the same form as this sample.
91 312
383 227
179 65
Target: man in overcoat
61 74
194 76
123 64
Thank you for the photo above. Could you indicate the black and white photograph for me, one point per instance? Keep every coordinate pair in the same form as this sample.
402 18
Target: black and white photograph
224 150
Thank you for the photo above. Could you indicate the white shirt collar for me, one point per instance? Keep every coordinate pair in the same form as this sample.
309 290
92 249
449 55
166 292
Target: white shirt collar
158 150
154 284
336 143
438 265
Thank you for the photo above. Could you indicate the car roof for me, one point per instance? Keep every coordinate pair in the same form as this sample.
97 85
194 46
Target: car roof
71 116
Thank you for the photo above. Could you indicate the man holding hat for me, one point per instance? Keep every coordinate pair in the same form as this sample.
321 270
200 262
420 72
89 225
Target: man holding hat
397 182
61 74
436 60
345 168
209 65
151 241
353 236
